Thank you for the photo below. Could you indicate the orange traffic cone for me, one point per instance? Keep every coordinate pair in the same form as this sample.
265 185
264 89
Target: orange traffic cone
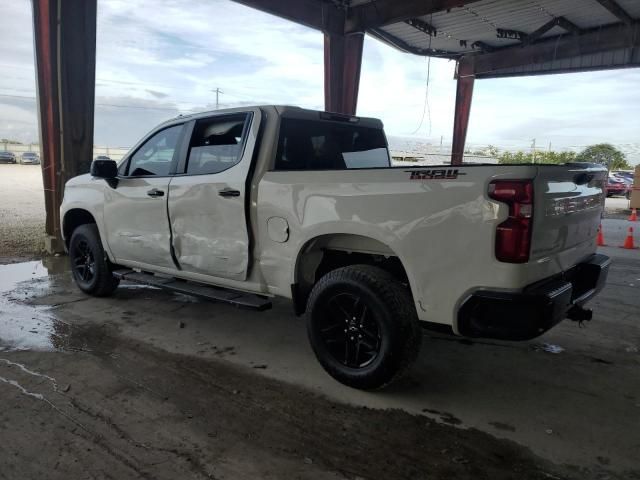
634 215
628 242
600 241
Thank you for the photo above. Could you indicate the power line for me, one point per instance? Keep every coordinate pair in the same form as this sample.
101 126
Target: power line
137 107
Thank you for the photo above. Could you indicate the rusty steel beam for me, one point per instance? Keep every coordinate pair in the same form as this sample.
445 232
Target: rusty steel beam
384 12
464 95
45 20
322 16
65 54
615 9
342 63
593 41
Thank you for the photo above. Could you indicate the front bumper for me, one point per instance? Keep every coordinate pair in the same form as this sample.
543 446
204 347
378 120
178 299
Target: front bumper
538 307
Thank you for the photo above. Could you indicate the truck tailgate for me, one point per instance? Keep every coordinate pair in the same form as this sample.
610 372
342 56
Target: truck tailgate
568 206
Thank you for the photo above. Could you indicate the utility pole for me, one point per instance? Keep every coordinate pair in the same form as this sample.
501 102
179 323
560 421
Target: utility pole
533 148
218 92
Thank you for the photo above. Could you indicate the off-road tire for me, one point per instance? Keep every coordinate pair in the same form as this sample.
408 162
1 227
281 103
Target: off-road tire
100 282
393 310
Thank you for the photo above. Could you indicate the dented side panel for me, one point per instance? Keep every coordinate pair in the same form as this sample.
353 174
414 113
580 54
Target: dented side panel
209 228
209 231
136 225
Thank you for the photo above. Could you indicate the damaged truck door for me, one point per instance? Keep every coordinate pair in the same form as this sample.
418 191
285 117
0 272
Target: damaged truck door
136 211
207 197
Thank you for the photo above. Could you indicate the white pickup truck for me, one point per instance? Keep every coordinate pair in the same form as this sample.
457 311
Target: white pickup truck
247 204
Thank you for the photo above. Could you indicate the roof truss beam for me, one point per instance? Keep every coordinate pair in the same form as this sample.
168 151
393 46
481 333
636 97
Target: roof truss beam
383 12
556 22
616 10
311 13
422 26
485 47
510 34
405 47
615 37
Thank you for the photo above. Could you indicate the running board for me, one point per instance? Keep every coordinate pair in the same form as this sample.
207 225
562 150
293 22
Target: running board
217 294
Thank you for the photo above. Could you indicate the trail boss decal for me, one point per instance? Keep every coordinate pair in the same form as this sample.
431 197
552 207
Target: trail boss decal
435 174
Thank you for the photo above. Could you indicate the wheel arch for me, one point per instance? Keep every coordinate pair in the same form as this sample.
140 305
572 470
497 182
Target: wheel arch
72 219
326 252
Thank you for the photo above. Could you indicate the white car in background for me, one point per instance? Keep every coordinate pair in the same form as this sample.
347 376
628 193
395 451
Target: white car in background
30 158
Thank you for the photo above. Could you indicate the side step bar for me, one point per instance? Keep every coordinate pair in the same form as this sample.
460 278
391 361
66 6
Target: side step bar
236 298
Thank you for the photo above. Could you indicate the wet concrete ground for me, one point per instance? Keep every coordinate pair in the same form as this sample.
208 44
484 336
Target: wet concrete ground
115 388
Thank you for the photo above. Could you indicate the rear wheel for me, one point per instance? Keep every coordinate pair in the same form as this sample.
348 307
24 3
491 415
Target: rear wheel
363 326
89 264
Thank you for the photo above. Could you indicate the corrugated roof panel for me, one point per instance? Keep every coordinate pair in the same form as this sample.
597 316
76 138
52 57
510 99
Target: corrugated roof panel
479 21
632 7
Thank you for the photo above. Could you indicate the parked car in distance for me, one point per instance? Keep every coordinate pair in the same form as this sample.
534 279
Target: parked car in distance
617 186
246 204
7 157
624 174
30 158
102 157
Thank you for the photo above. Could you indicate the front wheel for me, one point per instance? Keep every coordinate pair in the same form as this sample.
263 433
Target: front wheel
89 264
363 327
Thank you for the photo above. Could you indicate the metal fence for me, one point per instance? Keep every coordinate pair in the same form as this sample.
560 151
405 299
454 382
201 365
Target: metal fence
413 158
398 157
115 153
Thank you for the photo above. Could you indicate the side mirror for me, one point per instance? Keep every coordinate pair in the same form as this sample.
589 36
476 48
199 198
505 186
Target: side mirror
107 169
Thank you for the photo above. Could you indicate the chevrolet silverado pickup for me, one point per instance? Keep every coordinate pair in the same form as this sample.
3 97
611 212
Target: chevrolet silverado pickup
247 204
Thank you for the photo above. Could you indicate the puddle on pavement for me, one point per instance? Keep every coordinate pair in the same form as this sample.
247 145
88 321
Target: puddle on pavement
30 327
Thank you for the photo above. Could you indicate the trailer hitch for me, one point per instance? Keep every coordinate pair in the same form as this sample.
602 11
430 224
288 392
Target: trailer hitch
580 314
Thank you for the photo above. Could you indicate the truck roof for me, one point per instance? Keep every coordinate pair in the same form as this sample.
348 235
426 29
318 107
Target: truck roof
290 111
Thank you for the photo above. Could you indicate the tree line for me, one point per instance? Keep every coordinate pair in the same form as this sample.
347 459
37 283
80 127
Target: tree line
602 153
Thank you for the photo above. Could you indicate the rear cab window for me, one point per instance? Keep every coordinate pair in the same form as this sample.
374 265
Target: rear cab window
330 145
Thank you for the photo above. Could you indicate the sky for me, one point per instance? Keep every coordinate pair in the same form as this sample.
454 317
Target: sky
158 59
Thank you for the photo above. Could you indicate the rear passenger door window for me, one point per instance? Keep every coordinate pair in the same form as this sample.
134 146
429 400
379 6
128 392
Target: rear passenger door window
217 144
155 157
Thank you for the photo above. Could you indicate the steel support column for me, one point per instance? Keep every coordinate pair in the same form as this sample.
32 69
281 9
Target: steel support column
464 95
65 54
342 62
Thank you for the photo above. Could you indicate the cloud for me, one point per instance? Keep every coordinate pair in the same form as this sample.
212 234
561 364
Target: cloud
158 59
157 94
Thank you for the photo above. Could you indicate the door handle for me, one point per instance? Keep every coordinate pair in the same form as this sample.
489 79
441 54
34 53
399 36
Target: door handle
154 192
228 192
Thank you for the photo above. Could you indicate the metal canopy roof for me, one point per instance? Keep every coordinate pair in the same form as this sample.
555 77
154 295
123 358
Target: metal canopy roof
493 37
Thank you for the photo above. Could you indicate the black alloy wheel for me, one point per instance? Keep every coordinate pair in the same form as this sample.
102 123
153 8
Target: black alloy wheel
350 330
363 326
90 266
84 263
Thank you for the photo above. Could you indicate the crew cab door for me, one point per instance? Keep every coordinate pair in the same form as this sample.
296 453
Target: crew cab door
208 196
135 211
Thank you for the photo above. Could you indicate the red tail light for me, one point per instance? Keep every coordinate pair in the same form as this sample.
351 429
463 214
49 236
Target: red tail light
513 236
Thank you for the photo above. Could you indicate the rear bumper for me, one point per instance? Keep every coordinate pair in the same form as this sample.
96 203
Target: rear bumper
531 312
